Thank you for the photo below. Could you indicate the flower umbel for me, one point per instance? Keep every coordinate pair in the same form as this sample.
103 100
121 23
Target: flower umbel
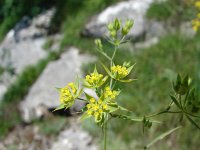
96 109
119 71
109 94
95 79
68 93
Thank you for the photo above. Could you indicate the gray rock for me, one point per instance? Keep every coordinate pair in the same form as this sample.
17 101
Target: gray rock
156 29
187 30
132 9
20 49
74 138
56 74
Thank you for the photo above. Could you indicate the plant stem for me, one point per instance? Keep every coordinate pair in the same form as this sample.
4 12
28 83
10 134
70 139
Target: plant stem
105 133
111 63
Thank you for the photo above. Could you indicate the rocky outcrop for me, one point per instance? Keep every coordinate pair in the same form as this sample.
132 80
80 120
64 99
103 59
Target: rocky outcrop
57 74
74 138
22 46
132 9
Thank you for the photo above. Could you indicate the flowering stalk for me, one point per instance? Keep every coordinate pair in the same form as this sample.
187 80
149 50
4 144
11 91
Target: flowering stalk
104 106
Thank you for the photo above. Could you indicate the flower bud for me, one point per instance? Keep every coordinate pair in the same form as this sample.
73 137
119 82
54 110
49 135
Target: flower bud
113 34
117 24
98 44
110 27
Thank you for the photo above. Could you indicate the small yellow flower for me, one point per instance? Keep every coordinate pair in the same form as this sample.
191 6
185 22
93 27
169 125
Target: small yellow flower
96 108
105 106
68 93
92 100
95 79
109 94
120 71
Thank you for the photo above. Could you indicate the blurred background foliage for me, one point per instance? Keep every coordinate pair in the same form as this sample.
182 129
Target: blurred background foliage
156 68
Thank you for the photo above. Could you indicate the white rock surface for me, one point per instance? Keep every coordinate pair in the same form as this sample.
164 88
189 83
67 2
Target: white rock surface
132 9
74 138
22 46
56 74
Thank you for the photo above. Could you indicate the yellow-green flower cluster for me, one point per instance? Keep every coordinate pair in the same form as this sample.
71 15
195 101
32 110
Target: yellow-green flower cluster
119 71
196 21
68 93
95 79
109 94
96 108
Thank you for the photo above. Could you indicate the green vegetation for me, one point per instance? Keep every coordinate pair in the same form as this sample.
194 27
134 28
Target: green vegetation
51 125
171 10
155 69
48 44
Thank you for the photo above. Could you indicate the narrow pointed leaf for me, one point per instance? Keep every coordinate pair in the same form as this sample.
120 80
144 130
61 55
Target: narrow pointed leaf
88 96
175 101
61 106
193 122
127 81
58 89
130 68
112 107
124 109
160 137
85 116
107 70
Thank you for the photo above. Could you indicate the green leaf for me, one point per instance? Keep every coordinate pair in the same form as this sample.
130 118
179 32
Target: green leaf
175 101
79 93
77 82
124 109
160 137
112 107
127 81
85 116
193 122
61 106
95 69
58 89
126 117
88 96
130 68
107 70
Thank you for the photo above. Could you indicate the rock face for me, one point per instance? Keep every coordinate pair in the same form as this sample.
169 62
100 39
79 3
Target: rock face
57 74
74 138
132 9
23 46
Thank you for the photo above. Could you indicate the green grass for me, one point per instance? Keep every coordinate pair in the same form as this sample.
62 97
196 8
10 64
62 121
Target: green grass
174 11
155 69
51 125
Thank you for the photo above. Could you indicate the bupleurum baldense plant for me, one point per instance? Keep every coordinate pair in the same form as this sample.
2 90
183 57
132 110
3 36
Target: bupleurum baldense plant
104 106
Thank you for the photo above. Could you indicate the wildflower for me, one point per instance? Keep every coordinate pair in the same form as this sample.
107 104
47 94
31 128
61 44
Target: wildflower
119 71
68 93
96 108
95 79
109 94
